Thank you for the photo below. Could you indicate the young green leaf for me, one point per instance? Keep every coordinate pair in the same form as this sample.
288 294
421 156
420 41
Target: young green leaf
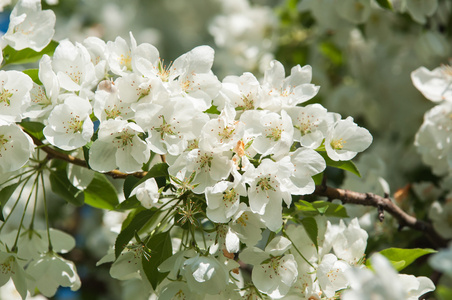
401 258
330 209
385 4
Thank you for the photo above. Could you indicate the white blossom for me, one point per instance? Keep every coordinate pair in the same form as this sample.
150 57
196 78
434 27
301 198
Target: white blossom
47 272
70 125
119 146
15 89
15 147
346 139
30 26
147 193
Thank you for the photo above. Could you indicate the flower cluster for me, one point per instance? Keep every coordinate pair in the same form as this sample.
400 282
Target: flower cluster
433 139
237 152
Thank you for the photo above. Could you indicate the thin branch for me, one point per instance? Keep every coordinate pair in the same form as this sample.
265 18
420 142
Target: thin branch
382 204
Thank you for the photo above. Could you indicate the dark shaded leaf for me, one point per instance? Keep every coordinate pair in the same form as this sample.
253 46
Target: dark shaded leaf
310 225
101 193
344 165
128 233
61 186
34 129
161 249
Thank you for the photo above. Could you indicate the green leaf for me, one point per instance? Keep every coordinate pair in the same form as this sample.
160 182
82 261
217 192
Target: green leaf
385 4
86 152
129 184
212 110
161 250
7 192
34 75
344 165
444 292
11 56
34 129
401 258
306 208
318 178
159 172
310 225
332 52
330 209
101 193
129 203
61 186
128 233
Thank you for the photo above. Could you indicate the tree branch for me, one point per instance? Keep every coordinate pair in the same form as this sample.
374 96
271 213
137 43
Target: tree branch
382 204
346 196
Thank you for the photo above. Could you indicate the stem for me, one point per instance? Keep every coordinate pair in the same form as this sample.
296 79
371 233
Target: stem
35 184
46 213
18 175
17 201
293 244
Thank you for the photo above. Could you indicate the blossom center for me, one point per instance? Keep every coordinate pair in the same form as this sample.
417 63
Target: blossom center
5 97
248 103
163 71
124 139
74 74
205 160
229 197
113 113
126 60
338 144
6 267
265 184
243 219
74 124
274 133
165 128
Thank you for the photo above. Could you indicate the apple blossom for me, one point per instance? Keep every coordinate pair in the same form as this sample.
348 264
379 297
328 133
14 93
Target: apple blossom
274 271
346 139
10 268
205 274
435 85
30 26
119 146
284 92
47 271
70 125
384 282
15 89
147 193
15 147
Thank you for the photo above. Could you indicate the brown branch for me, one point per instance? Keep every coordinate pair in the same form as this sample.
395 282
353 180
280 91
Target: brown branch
346 196
382 204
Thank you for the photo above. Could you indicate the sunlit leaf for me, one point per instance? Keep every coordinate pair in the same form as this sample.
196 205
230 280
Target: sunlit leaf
11 56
